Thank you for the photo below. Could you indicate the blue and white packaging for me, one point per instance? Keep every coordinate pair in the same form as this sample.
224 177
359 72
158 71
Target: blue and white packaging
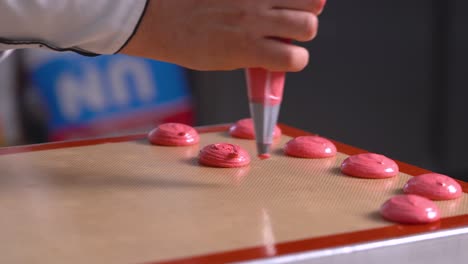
104 95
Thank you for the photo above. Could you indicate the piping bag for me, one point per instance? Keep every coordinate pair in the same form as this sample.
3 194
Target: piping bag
265 91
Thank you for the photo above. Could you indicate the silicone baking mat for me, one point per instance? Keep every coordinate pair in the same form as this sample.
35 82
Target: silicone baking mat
131 202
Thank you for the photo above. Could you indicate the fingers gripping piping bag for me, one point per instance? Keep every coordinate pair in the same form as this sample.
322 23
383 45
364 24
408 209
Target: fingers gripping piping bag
265 90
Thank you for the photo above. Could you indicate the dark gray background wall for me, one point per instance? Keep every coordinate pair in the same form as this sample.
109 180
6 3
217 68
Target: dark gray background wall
386 76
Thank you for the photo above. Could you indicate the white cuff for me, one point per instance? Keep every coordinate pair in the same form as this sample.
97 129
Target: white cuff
85 26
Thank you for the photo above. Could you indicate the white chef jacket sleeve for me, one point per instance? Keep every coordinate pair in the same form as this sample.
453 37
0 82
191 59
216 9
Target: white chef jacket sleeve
88 27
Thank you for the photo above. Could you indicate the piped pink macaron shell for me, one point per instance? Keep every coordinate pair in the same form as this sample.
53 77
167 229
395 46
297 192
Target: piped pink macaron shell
244 129
410 209
224 155
369 165
310 147
434 186
173 134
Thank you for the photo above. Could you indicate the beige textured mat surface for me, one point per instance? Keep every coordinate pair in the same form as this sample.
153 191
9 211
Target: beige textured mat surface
131 202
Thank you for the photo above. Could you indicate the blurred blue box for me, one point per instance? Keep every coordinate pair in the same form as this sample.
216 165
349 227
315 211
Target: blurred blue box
89 97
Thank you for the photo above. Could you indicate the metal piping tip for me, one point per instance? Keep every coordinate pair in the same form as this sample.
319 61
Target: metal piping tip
263 149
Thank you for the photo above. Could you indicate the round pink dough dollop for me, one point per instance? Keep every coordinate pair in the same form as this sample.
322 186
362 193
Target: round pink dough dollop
244 128
410 209
310 147
224 155
434 186
173 134
369 165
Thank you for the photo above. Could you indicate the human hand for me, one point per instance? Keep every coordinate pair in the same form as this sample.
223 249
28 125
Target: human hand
227 34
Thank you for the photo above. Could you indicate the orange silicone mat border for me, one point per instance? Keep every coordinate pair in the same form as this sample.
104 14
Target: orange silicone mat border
93 141
389 232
